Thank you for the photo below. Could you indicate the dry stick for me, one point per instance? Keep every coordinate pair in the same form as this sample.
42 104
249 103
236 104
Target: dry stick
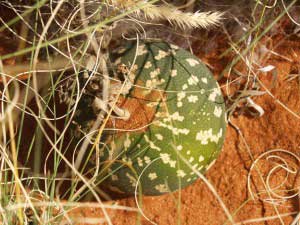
102 59
91 38
108 205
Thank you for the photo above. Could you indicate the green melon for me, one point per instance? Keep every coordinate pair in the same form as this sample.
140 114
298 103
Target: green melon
179 113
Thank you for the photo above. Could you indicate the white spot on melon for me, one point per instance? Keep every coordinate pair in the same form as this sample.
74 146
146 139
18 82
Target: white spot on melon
172 163
140 162
127 141
148 65
127 160
214 94
179 147
162 188
132 179
204 80
206 135
152 176
161 54
175 130
192 62
193 98
147 160
180 173
175 116
218 111
165 157
201 158
195 166
154 73
151 143
153 83
141 50
193 80
181 95
173 73
159 137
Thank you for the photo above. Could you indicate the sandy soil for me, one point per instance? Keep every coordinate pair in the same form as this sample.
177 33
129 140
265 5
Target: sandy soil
276 129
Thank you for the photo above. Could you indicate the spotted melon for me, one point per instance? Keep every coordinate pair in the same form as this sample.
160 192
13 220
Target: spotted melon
176 111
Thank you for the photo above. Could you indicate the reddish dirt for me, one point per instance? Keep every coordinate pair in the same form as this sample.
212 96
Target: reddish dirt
140 110
276 129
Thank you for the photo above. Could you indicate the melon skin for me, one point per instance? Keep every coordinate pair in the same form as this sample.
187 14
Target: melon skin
188 121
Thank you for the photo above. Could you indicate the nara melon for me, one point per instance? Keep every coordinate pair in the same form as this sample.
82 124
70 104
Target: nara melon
176 121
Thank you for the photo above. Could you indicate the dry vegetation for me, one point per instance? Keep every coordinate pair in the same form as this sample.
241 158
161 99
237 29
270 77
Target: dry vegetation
45 46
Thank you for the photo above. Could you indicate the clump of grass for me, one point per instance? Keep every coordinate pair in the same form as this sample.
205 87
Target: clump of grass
55 45
252 51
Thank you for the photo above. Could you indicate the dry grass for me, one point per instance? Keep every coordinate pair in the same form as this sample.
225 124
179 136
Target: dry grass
58 44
